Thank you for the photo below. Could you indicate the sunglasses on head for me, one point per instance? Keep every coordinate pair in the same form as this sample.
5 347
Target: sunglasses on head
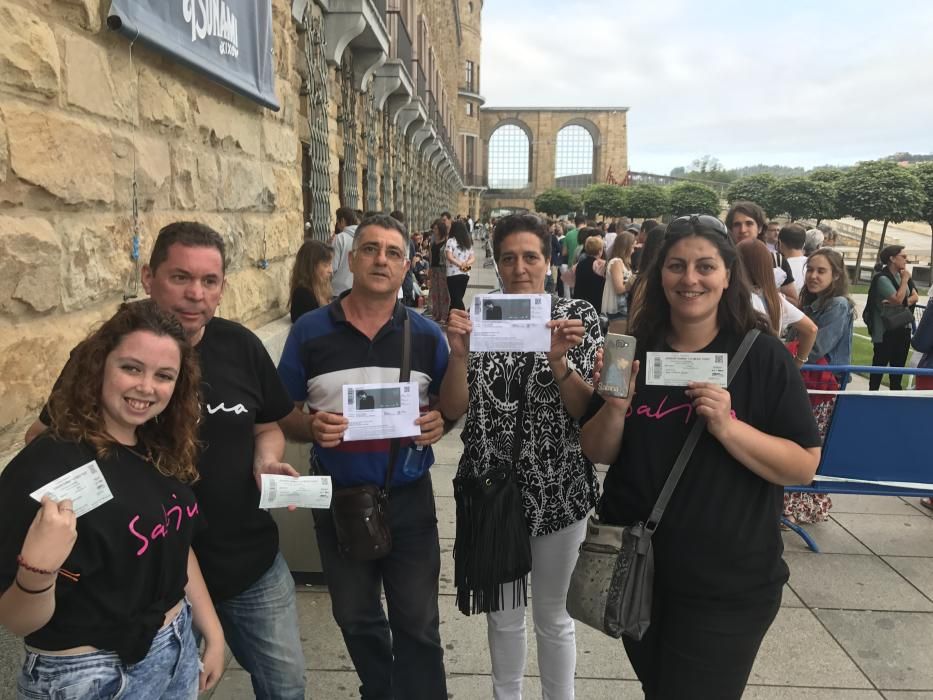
687 224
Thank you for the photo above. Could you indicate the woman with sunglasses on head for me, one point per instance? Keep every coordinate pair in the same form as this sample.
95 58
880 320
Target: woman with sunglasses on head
717 552
105 598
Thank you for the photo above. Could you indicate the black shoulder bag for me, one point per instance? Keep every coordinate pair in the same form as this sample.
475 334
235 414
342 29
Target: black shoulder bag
493 546
360 513
612 582
896 316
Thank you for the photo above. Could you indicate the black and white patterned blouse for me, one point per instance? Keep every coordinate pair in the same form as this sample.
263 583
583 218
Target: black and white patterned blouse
558 483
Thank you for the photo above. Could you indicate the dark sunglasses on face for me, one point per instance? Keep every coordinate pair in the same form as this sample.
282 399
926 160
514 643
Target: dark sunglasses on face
687 224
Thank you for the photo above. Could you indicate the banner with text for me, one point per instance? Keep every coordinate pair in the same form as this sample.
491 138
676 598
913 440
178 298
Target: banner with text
228 40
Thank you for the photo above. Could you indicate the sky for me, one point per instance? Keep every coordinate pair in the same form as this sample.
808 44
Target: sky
796 83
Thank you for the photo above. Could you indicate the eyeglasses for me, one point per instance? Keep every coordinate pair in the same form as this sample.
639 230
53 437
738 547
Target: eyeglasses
393 254
688 224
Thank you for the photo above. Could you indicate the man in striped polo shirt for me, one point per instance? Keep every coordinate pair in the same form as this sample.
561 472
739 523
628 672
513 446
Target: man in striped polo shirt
357 339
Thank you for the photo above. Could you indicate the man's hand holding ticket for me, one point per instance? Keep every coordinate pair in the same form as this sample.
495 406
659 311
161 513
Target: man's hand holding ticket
280 491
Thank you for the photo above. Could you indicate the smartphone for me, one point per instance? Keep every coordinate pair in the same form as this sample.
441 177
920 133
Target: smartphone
618 356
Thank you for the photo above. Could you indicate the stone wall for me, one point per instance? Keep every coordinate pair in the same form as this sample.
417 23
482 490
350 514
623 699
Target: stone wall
76 115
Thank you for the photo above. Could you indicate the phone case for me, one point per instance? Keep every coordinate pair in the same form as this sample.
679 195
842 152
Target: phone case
618 355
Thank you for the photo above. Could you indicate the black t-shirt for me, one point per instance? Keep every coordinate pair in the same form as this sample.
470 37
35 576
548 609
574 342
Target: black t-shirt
719 536
303 301
589 285
438 255
240 388
131 552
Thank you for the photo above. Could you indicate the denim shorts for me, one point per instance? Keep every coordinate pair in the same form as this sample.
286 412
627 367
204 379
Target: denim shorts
170 670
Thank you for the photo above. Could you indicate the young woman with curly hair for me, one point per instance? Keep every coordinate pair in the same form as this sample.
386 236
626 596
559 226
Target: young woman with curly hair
105 596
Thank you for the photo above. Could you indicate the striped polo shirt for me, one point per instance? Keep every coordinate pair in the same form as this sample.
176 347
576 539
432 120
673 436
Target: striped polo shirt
324 352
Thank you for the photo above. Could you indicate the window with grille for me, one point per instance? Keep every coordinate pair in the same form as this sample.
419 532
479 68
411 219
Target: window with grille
573 158
509 158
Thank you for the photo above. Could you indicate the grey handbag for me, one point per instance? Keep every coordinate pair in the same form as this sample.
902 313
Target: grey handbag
611 585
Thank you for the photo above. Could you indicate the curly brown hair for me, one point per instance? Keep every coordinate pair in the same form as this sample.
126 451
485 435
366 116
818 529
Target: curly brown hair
75 404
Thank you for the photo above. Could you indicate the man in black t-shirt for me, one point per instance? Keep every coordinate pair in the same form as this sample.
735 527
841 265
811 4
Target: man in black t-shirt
242 400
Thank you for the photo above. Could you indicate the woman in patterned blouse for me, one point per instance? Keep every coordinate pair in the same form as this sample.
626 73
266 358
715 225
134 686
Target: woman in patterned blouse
558 484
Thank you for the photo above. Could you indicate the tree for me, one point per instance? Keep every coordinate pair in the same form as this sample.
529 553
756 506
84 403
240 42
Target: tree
753 188
828 176
924 173
645 201
693 198
608 200
557 201
709 169
878 190
800 197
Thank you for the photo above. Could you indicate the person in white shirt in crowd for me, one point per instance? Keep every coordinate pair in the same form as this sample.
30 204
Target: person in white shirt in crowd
791 241
343 244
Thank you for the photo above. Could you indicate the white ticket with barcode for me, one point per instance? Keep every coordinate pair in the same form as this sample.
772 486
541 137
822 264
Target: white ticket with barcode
85 486
279 491
381 411
681 368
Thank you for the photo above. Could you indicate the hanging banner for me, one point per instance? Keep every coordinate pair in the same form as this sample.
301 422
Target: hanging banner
230 41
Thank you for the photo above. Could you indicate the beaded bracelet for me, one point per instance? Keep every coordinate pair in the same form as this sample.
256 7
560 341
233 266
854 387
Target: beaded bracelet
33 569
31 591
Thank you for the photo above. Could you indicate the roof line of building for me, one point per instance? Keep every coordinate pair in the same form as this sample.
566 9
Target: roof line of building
554 109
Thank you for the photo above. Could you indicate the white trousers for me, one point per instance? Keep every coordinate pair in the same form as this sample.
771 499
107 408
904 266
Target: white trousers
553 557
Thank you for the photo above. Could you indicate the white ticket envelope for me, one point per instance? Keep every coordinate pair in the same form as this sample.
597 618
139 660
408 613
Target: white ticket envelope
380 411
280 491
85 486
681 368
510 323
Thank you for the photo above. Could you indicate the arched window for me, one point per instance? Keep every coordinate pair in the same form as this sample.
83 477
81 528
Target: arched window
509 158
573 158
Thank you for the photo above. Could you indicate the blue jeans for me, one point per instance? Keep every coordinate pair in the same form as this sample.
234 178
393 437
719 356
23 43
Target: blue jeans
399 657
261 628
170 670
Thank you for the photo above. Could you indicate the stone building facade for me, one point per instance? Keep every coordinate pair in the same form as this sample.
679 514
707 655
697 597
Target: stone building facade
369 95
535 149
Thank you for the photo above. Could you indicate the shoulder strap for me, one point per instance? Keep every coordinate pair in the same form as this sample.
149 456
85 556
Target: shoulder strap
404 375
693 437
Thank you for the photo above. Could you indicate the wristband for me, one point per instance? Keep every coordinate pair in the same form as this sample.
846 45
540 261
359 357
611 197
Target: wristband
31 591
563 377
34 569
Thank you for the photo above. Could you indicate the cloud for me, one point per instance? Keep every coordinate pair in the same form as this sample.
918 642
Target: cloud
797 83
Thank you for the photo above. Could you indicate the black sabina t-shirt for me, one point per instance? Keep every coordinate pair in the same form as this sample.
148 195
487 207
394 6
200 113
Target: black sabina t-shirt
131 552
240 388
719 536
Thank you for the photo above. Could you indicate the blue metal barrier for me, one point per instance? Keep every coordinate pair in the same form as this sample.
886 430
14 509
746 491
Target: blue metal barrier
856 455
